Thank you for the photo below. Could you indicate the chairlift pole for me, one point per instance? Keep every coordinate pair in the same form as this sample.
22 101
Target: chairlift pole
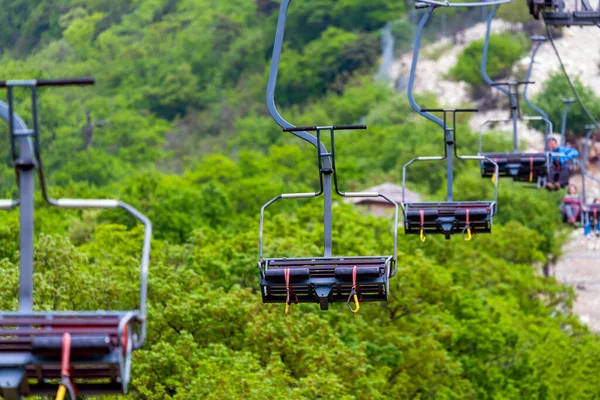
24 163
563 124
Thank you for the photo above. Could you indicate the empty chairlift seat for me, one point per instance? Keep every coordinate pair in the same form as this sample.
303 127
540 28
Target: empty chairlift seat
448 218
522 167
325 280
75 352
31 351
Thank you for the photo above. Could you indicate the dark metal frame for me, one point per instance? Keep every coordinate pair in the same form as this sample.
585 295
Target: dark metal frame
319 290
124 330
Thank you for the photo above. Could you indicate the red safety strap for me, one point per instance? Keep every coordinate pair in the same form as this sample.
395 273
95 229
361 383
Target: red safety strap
66 355
289 291
531 163
468 219
531 170
422 214
125 339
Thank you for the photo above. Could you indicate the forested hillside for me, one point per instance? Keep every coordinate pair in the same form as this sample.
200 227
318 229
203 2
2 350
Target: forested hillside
177 126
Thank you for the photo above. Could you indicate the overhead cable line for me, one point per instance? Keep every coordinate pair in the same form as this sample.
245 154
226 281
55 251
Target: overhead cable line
562 65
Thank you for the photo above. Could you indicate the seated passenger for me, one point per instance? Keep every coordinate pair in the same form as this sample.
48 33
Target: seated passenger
587 228
571 205
561 168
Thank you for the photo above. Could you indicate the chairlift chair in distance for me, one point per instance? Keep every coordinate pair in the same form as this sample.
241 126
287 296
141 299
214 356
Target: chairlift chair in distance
520 166
326 279
590 210
65 352
554 12
449 217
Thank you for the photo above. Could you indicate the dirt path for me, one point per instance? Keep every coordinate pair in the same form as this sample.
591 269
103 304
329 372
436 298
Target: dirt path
580 267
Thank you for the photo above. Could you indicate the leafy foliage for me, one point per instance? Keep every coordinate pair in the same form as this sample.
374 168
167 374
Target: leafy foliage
550 99
177 128
505 50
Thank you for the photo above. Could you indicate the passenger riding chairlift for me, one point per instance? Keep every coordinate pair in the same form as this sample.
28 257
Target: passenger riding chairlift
591 210
68 352
326 279
449 217
520 166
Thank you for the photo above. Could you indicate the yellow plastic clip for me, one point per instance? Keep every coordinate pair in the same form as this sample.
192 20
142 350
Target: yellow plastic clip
287 309
422 236
357 304
494 178
60 395
531 176
468 237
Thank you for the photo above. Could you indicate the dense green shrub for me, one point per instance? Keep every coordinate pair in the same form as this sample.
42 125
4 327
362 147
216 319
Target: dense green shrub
505 49
550 99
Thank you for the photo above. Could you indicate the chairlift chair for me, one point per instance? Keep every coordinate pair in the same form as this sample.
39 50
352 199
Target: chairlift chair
449 217
65 352
326 279
530 167
590 210
554 12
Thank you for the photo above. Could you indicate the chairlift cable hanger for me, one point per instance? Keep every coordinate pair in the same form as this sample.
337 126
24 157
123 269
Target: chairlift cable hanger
326 279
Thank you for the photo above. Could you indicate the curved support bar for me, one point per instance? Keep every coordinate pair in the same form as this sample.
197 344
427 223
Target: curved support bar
392 202
8 204
413 68
471 157
486 48
404 173
19 123
272 82
145 259
262 218
430 158
360 194
126 320
496 172
298 195
85 203
425 3
484 124
144 267
532 118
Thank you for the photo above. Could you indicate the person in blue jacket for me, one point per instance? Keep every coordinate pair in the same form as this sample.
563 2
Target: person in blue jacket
562 166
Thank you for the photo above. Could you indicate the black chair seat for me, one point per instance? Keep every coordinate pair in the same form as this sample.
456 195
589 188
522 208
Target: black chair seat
519 166
99 350
325 280
448 218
